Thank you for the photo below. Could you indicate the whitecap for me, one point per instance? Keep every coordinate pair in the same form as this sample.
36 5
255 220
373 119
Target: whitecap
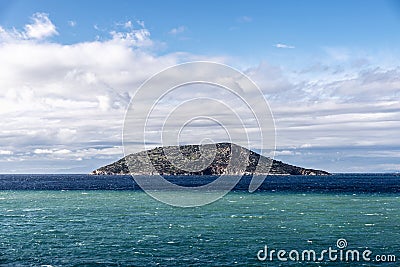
32 209
151 235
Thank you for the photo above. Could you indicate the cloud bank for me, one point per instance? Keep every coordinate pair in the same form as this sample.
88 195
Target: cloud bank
63 106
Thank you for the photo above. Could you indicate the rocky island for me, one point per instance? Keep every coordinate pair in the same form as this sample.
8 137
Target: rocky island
155 161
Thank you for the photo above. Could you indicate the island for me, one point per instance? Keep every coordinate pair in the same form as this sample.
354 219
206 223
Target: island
157 162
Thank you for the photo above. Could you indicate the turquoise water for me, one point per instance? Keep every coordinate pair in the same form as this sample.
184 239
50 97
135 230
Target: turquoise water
129 228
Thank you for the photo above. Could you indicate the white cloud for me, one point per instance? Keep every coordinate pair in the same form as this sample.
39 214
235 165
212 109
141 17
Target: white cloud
137 38
141 23
62 151
72 23
63 103
41 27
6 152
270 78
284 46
57 101
178 30
305 146
128 24
333 112
43 151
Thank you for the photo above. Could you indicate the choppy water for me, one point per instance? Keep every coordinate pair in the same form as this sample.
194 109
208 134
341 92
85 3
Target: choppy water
128 228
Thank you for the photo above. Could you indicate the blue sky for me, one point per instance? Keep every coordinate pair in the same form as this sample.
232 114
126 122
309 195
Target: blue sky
330 70
247 29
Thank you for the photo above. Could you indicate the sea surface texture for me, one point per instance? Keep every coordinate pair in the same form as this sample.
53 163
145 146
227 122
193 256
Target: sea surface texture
80 220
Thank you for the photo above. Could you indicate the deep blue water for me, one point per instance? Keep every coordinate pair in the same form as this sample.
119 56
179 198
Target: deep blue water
108 221
338 183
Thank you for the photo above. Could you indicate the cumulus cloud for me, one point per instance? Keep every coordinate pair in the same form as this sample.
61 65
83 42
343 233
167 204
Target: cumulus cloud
128 24
41 27
58 98
63 103
137 38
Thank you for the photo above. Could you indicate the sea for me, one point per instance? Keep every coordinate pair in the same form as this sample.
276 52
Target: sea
84 220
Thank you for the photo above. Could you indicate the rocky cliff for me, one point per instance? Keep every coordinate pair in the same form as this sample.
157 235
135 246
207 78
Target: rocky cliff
156 161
